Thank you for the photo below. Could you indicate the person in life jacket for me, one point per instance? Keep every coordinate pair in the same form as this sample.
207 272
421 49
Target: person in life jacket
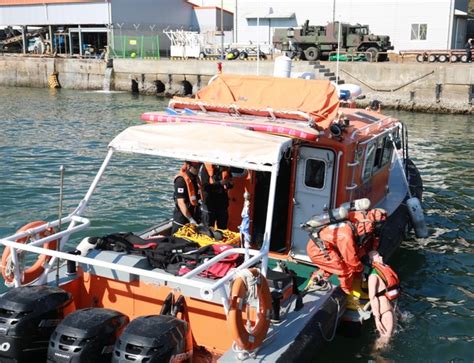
338 248
216 182
384 288
187 195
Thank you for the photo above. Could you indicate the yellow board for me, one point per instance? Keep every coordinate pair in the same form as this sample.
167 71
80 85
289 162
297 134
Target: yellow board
190 233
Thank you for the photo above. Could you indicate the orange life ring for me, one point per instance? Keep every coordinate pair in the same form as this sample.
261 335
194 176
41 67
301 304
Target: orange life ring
31 273
245 339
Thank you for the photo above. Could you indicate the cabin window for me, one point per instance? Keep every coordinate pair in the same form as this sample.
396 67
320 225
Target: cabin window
315 173
387 151
378 154
369 161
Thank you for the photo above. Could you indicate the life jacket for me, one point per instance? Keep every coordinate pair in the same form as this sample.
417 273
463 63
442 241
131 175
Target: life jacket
392 291
193 195
225 174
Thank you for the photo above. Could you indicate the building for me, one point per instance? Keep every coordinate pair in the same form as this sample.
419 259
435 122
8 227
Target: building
85 27
411 24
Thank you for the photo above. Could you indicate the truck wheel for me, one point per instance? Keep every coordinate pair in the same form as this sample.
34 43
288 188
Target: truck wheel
442 58
432 58
420 58
373 54
311 53
454 58
243 55
464 58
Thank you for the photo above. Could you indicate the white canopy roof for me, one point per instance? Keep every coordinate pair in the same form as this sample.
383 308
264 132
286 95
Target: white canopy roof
215 144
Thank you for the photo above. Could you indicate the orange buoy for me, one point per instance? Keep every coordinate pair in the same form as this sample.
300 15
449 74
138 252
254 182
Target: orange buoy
249 337
31 273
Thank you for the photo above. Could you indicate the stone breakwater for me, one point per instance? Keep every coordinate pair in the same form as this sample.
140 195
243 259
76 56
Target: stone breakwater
439 87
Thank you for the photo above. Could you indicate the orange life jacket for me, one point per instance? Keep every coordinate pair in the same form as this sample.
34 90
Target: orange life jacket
192 193
225 174
392 291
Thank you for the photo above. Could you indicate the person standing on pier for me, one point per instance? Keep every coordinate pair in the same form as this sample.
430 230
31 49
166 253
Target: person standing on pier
468 48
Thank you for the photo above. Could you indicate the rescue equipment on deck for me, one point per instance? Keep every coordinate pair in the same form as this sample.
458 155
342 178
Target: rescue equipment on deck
28 317
31 273
250 285
194 233
86 335
392 291
182 263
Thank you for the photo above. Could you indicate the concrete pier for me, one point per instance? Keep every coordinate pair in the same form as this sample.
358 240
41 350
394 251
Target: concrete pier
439 87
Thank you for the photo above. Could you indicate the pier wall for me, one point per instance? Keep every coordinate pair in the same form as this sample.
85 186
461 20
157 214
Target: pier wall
413 86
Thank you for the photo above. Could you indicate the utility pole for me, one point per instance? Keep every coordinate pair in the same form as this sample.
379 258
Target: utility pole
333 11
222 29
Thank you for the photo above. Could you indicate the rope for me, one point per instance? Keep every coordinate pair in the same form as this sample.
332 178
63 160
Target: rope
336 323
250 282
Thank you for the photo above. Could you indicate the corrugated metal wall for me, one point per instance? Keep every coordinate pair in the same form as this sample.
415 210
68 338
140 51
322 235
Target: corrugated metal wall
394 18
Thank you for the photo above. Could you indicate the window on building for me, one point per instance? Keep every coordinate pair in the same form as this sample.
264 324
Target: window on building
315 173
418 31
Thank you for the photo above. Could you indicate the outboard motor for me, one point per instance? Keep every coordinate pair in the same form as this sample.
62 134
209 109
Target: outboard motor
86 335
28 317
154 339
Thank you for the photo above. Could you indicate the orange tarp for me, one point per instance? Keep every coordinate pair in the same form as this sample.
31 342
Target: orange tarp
317 98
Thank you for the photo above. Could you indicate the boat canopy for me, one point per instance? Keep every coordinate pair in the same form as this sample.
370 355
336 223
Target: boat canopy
207 143
290 98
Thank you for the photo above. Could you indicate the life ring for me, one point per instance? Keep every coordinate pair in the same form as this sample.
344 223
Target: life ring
31 273
245 339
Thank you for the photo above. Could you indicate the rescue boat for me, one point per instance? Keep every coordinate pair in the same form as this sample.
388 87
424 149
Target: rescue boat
294 154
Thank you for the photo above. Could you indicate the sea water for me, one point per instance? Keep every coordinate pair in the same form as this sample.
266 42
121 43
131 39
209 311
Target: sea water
41 129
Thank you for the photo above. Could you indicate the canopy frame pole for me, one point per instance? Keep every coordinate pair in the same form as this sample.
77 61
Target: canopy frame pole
81 207
271 204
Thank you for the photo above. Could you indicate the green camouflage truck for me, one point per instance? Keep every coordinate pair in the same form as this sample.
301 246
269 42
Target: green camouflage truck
313 42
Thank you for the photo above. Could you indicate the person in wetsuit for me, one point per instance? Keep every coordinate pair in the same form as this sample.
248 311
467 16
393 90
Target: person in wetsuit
216 182
187 196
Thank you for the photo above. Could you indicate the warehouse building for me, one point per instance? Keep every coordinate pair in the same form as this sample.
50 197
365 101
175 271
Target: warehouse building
86 27
411 24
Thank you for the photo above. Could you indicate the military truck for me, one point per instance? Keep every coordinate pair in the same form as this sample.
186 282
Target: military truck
313 42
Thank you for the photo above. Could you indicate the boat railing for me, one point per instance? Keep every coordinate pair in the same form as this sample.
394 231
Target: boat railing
237 111
370 127
200 288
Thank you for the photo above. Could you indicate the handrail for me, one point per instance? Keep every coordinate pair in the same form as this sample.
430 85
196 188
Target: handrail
207 289
367 128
